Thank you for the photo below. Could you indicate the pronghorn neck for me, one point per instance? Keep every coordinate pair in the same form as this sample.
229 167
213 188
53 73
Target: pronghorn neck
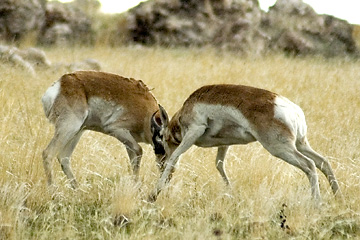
174 129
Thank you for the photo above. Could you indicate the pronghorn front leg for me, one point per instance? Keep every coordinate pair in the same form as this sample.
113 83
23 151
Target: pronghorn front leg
133 149
220 162
192 134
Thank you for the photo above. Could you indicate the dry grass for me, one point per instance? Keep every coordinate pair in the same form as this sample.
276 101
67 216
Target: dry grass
196 205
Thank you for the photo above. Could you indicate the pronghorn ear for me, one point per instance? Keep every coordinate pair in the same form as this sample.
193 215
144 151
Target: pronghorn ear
164 117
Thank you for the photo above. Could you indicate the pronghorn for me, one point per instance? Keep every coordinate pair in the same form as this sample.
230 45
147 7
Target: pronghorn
224 115
87 100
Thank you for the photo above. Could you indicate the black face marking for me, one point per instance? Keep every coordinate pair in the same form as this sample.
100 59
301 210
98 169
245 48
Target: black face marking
156 130
176 140
158 146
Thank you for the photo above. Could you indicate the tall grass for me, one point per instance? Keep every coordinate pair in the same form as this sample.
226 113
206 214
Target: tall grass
266 195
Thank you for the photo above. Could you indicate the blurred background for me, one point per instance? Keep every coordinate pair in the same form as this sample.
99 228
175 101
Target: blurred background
244 26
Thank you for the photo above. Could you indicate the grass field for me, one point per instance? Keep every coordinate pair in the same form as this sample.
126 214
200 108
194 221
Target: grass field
196 205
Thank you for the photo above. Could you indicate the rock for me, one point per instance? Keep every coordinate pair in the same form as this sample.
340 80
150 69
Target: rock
195 23
294 27
27 59
53 22
64 25
290 26
35 57
19 17
32 59
86 64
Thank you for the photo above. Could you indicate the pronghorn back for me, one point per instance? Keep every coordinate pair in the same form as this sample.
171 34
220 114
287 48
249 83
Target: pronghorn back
109 86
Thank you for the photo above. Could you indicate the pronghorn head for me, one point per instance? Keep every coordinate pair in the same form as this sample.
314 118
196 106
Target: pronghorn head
168 137
158 123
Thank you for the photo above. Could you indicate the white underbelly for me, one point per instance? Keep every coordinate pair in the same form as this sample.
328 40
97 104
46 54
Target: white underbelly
228 135
225 126
102 114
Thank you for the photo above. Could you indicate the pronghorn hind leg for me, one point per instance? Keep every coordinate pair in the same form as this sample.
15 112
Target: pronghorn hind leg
64 157
65 131
48 154
321 163
55 148
288 152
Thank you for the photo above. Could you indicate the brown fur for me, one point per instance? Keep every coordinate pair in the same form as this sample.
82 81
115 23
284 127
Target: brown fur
238 96
78 87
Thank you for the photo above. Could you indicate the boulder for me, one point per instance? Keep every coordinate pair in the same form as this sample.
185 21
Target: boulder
290 26
84 65
54 22
294 27
196 23
19 17
28 59
33 59
65 24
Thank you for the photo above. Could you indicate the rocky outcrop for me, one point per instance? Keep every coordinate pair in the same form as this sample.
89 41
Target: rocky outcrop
294 27
53 22
19 17
65 24
290 26
195 22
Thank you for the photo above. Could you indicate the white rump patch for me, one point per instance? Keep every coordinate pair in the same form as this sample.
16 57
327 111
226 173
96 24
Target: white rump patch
49 97
290 114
